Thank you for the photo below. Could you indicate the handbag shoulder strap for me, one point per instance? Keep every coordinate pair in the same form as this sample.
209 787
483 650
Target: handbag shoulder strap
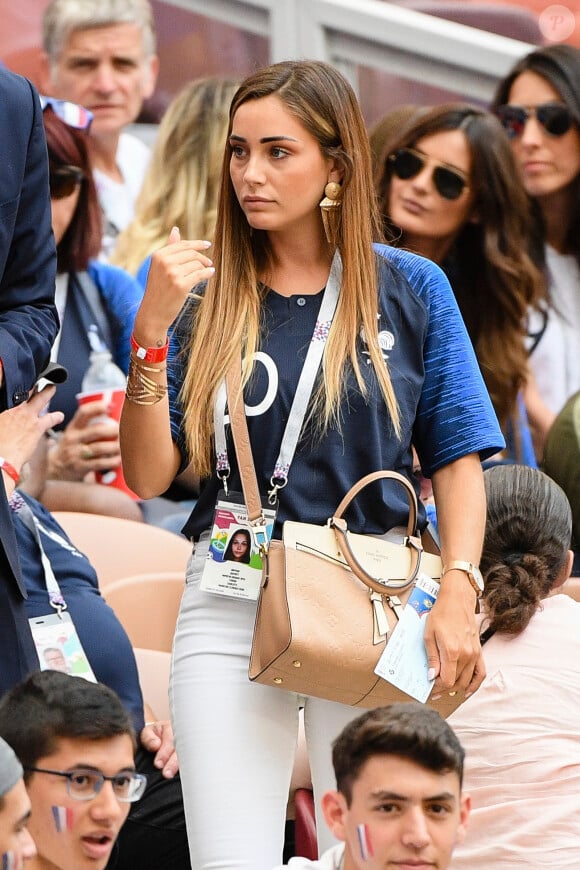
241 438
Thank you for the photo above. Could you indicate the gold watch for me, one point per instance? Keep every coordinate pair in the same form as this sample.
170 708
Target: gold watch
474 575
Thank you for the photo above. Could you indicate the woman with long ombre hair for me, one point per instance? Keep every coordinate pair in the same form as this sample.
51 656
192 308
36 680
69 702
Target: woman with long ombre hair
448 189
296 284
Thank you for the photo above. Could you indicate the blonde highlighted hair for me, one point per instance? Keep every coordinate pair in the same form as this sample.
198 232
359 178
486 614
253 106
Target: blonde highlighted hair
182 181
324 102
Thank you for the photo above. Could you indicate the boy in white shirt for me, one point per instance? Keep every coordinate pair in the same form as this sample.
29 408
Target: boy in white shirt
398 801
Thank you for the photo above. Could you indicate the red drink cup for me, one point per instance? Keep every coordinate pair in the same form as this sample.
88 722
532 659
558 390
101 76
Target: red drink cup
114 399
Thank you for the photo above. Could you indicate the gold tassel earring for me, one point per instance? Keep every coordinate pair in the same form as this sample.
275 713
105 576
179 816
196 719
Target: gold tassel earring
327 206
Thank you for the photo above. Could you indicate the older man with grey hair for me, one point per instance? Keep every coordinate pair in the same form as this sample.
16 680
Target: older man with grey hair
16 844
101 55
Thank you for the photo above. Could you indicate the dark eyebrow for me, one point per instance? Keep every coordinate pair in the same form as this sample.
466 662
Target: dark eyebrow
393 796
90 768
265 140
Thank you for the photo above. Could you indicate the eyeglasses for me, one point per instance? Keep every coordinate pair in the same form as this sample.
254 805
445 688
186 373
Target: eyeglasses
407 163
555 118
71 113
84 785
64 180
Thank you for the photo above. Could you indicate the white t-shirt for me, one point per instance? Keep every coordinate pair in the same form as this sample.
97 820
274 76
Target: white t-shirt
555 361
329 861
521 736
117 198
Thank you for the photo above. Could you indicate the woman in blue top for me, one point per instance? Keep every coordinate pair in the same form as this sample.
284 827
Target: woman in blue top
397 368
91 297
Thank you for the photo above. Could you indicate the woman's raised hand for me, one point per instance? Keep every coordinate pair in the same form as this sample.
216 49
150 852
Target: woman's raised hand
175 269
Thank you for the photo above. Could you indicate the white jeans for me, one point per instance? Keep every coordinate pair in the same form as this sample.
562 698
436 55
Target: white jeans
235 739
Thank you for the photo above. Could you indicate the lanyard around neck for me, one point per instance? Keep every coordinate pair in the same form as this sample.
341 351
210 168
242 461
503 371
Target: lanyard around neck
26 515
302 396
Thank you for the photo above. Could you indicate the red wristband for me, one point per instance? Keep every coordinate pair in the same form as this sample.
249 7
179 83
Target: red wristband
150 354
10 470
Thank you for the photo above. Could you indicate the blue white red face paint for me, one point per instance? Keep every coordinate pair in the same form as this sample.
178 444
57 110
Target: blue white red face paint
364 842
9 861
63 819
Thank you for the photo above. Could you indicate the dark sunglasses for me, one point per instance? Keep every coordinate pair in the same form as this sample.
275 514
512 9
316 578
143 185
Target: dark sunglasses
406 163
64 180
555 118
71 113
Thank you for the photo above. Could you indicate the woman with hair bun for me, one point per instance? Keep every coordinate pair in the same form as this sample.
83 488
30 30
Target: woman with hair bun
520 730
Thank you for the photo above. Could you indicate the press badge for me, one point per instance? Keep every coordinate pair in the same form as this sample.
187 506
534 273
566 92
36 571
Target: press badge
404 661
234 561
58 646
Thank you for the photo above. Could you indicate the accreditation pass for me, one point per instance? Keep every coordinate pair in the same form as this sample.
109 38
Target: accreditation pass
404 661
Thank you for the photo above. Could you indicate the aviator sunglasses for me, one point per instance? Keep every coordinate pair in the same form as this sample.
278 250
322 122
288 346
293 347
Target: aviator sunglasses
555 118
406 163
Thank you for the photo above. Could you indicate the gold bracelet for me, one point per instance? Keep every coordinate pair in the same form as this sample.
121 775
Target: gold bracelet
141 389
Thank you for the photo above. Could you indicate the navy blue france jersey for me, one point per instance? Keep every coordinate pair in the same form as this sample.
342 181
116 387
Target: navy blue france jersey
444 407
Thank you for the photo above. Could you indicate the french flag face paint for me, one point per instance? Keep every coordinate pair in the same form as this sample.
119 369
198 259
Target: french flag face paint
9 861
63 819
364 842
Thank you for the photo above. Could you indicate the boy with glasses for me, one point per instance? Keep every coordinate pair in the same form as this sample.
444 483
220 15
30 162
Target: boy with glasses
76 743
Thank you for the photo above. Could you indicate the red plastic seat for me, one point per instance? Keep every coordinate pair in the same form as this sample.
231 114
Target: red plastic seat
306 845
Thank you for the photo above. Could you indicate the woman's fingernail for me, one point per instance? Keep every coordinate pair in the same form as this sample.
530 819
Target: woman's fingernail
430 674
435 697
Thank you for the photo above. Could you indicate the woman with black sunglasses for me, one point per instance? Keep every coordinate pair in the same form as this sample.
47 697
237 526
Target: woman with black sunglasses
92 298
538 104
448 189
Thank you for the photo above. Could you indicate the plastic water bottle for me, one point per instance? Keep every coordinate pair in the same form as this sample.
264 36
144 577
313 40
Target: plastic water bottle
105 382
102 374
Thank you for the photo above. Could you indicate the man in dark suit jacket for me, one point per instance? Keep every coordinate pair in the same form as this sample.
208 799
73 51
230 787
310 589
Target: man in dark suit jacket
28 322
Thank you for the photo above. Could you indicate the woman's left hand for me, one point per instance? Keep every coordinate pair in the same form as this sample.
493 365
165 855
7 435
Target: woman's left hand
451 632
157 737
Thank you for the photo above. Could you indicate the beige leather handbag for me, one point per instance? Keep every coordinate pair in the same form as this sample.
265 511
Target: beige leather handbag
330 598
